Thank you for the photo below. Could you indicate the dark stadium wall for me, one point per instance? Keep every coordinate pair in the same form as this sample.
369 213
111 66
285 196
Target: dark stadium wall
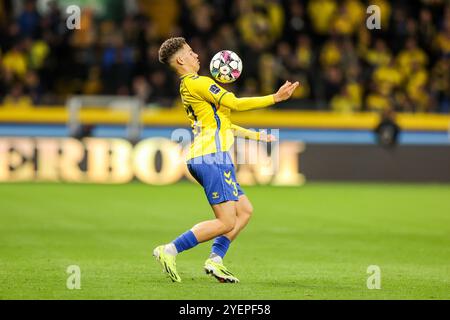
375 163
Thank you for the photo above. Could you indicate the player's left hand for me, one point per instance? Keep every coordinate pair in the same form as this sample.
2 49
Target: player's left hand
285 91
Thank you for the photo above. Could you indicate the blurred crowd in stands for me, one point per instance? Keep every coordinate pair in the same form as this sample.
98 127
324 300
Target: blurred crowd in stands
324 44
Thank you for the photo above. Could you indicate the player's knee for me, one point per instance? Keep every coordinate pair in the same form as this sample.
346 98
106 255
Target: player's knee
247 211
228 224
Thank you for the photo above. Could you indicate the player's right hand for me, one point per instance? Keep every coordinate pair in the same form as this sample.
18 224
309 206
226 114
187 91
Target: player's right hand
285 91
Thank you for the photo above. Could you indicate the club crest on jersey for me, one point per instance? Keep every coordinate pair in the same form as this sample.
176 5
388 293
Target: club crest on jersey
214 89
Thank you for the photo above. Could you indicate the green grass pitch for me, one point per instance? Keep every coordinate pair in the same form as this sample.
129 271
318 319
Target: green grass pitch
311 242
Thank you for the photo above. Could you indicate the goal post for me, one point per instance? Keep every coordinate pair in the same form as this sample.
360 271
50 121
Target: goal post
132 105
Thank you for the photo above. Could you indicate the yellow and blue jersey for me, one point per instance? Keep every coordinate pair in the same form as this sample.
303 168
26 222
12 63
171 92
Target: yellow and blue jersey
201 97
208 107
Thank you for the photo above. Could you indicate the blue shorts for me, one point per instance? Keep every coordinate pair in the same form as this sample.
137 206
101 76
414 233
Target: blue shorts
215 172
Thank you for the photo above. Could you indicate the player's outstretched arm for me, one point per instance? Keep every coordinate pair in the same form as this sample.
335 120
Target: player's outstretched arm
230 101
252 135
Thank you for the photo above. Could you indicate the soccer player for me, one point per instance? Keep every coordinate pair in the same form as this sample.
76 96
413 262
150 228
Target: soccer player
208 107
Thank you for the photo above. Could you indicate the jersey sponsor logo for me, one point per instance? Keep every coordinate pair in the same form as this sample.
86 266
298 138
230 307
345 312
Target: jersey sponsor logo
215 195
214 89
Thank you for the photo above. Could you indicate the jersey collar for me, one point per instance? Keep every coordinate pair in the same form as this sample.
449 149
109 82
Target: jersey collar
187 74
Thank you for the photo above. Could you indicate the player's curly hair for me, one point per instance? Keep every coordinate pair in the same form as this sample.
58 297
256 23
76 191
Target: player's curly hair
169 48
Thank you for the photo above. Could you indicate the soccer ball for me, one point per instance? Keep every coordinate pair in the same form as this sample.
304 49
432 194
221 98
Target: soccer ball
226 66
